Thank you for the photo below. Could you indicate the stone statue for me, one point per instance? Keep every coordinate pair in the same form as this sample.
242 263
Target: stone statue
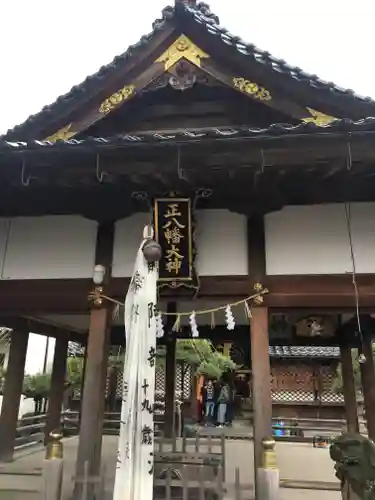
355 465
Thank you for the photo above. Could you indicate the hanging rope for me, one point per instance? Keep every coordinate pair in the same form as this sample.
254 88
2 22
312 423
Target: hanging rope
176 326
348 217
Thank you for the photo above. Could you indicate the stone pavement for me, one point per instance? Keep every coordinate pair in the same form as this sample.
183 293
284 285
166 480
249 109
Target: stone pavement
297 462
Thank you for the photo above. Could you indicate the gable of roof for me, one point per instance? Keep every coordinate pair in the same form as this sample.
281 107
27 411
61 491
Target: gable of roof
195 18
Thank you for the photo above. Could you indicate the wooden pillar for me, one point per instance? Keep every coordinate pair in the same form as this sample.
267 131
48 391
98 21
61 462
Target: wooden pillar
93 402
261 371
194 398
170 373
12 394
56 395
82 384
350 399
260 360
368 383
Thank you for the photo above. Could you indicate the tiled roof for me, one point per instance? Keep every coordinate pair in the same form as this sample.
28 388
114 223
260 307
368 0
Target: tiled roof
304 351
75 349
275 130
211 22
90 84
201 14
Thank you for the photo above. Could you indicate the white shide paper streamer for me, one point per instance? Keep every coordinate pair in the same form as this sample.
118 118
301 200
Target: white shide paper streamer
135 462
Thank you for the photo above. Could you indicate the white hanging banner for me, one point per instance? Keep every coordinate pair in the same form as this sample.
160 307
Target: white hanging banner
135 462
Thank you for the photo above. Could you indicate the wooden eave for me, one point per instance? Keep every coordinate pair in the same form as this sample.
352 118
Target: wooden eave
232 61
259 171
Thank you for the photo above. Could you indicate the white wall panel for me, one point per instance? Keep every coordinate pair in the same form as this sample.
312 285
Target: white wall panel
221 238
221 243
314 239
128 237
50 247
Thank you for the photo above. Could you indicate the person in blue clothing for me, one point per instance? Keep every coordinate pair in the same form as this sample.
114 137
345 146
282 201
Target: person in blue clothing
222 404
209 401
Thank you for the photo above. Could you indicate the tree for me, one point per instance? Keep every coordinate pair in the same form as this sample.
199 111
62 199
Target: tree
216 365
74 371
200 355
37 385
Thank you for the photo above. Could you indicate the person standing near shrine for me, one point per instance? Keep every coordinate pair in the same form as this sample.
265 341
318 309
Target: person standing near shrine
208 396
222 404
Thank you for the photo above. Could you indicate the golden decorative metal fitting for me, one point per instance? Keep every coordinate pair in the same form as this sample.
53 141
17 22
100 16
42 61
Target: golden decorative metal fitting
261 290
95 296
258 300
64 134
182 48
252 89
55 447
116 99
269 454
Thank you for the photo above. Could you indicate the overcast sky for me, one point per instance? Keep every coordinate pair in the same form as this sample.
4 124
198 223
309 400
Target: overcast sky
47 47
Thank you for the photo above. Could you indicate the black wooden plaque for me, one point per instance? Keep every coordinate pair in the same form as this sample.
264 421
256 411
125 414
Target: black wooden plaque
173 232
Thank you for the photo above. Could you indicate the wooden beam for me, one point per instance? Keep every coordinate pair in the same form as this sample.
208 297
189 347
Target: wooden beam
319 291
39 325
255 91
70 296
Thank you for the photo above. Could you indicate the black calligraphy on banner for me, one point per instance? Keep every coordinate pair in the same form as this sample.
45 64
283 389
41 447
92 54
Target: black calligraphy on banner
145 386
125 391
151 357
173 231
136 282
151 312
147 435
135 312
147 406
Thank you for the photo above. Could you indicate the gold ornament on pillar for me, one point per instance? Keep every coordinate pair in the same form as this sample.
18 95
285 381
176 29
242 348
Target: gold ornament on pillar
55 446
95 296
259 289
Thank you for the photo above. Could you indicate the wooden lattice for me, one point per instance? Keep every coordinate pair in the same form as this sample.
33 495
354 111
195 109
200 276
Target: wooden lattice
326 393
304 384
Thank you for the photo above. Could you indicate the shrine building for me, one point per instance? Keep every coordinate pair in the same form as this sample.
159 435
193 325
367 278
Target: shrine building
258 179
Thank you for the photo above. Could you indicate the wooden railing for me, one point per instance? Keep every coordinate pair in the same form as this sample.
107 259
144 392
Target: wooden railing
111 423
30 430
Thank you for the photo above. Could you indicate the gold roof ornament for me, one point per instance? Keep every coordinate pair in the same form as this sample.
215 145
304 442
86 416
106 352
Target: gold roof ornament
64 134
320 119
183 47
